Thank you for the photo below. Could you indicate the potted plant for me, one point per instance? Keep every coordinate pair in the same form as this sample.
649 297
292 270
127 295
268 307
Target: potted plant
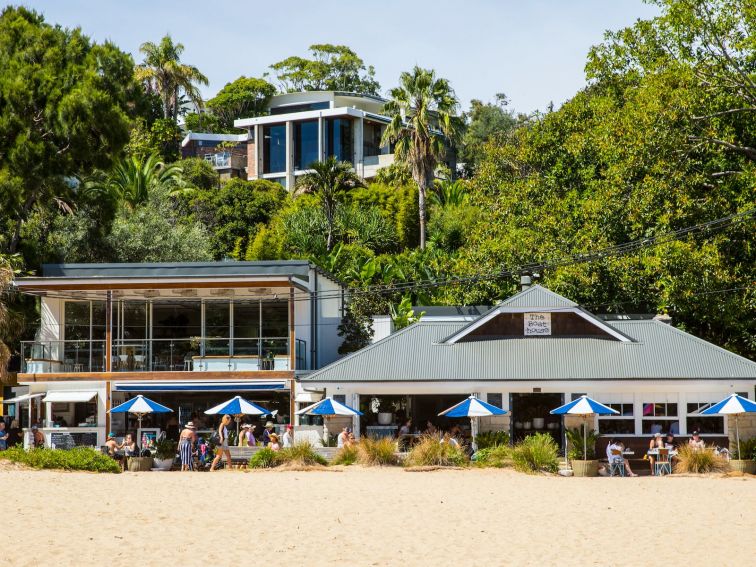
583 464
385 412
165 454
746 460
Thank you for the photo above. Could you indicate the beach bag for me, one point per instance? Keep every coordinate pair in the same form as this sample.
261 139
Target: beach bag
215 439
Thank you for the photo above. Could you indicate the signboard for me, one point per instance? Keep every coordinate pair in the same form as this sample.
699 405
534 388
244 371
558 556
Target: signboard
537 324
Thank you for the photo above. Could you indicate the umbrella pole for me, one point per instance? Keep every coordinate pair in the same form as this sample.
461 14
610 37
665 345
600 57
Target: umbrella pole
585 438
737 436
139 420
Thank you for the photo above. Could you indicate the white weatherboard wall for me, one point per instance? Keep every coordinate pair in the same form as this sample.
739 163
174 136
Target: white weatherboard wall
302 318
329 318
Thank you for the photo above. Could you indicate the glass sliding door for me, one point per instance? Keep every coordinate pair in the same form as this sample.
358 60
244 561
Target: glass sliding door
176 334
246 328
339 138
305 143
274 148
275 328
217 328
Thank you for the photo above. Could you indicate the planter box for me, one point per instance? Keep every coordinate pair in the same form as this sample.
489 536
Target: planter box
139 464
163 464
584 468
743 466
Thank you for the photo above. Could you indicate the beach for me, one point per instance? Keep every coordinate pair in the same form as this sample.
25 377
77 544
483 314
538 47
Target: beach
358 516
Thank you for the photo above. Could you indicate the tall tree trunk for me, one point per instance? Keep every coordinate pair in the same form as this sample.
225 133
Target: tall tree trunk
166 105
421 208
13 245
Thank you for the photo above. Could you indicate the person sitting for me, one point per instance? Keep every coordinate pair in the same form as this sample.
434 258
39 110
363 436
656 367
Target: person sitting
37 437
342 437
614 453
655 444
273 444
112 446
430 429
695 442
669 442
129 446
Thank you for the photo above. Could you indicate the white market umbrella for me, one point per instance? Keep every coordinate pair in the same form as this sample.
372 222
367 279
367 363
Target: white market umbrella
328 407
140 406
732 405
238 406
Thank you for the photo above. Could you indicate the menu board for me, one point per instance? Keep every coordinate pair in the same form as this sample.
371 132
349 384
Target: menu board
66 440
537 324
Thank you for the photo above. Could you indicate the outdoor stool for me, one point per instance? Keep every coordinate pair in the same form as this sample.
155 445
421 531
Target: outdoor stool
662 464
617 463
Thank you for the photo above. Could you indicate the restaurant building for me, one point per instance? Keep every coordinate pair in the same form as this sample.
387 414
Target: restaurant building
532 353
188 335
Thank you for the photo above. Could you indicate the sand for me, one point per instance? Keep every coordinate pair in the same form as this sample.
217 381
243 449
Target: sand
356 517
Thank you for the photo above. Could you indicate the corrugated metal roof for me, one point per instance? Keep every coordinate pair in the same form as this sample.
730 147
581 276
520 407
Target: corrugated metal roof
298 268
537 296
414 354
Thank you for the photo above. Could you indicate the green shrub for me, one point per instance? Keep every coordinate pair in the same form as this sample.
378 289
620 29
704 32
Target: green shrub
747 449
499 456
376 452
302 454
491 439
575 444
76 459
538 452
429 452
699 461
347 455
265 458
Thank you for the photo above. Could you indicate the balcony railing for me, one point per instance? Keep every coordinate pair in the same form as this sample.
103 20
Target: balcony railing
192 354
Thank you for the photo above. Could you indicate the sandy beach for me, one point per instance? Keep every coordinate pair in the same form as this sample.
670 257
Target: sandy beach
361 517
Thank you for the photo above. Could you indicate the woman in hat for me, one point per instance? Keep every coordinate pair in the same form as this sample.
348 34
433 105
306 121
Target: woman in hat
273 445
266 433
655 444
186 440
223 443
288 436
243 440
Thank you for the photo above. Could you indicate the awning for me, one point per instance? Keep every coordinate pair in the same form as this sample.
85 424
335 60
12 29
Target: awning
22 398
175 386
308 397
69 396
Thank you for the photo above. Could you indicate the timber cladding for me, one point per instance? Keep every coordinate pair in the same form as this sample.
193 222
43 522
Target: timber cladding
512 325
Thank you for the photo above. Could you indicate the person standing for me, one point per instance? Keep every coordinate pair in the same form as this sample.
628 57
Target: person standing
187 437
288 436
243 440
3 436
223 443
266 433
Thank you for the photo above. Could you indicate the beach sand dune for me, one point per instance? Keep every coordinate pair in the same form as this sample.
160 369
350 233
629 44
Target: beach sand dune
357 517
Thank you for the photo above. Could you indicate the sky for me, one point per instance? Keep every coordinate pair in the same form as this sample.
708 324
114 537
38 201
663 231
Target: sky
532 50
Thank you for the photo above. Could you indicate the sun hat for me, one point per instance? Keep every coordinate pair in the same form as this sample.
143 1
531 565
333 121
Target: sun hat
246 426
695 433
111 435
657 434
290 427
274 436
269 424
190 425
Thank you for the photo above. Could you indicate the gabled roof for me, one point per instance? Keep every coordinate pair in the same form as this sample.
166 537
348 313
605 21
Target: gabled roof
537 297
658 352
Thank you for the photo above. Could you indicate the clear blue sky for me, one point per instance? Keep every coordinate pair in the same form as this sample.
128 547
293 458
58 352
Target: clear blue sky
533 50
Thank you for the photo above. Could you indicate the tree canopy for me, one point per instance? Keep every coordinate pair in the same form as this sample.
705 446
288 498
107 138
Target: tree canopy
64 110
330 68
246 97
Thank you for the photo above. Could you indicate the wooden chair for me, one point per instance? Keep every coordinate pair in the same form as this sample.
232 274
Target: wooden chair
617 463
662 464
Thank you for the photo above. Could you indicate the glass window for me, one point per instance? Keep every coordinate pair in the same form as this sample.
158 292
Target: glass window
76 320
495 399
217 327
616 426
305 143
134 320
712 424
246 327
274 148
339 138
371 139
275 319
176 320
660 417
289 108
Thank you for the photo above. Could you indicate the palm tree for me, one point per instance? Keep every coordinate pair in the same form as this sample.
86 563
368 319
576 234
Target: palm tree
329 180
447 193
133 178
423 111
163 73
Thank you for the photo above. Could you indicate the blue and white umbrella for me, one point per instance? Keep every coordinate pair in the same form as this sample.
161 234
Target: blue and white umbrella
328 407
238 406
583 406
140 406
473 408
732 405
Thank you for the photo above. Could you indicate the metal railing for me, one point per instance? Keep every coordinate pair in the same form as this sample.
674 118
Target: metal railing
162 355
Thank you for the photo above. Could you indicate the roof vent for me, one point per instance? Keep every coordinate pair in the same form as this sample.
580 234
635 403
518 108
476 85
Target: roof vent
663 318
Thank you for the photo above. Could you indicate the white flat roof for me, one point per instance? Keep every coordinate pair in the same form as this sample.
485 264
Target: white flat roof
308 115
207 137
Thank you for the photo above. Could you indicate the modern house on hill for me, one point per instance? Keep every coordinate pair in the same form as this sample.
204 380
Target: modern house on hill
532 353
301 128
189 335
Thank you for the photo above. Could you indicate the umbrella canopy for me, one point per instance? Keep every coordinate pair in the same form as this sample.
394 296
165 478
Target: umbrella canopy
328 406
140 405
472 407
583 406
238 406
732 405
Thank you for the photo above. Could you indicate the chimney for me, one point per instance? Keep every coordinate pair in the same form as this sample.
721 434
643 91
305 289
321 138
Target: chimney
525 282
663 318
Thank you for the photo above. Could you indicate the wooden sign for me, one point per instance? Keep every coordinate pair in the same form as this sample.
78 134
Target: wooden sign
537 324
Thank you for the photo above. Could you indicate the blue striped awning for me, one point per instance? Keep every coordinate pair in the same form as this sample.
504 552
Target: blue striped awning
197 386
